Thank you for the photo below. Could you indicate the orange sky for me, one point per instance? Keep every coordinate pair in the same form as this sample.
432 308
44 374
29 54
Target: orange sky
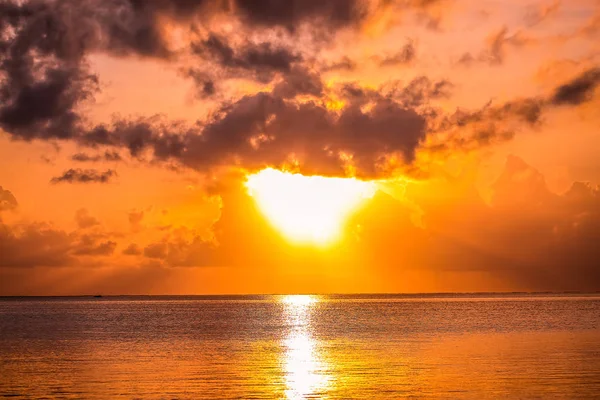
466 133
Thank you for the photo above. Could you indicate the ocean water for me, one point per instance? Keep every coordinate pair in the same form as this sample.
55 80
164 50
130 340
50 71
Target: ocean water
288 347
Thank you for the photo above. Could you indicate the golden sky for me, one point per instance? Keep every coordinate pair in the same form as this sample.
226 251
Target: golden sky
309 146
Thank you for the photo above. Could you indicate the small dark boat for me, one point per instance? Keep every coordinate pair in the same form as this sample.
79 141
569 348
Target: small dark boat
98 295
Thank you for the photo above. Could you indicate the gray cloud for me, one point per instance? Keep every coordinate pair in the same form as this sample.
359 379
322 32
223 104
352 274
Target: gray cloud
84 219
263 129
578 90
263 58
7 200
528 238
267 129
44 47
290 13
496 48
272 129
79 175
106 156
406 55
419 91
343 64
156 250
135 220
43 75
132 250
299 81
34 245
27 245
46 80
219 60
92 245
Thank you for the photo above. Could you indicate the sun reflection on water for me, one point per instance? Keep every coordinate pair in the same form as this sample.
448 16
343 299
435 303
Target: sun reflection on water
304 369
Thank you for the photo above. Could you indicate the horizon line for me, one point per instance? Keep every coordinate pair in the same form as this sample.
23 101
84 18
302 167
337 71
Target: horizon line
565 292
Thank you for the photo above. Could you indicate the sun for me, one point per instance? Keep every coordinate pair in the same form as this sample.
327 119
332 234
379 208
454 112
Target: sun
307 209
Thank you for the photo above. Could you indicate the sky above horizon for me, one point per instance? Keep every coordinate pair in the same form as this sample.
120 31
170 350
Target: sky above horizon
283 146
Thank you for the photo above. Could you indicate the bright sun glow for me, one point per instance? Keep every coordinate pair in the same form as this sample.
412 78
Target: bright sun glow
301 300
307 209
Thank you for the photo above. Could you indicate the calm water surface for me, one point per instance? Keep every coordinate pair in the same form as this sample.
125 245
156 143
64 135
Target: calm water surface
301 347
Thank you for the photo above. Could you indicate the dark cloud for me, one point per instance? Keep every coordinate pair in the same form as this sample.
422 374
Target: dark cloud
263 59
496 48
43 75
84 219
44 48
69 29
205 82
526 111
183 248
579 90
92 245
166 139
220 60
34 245
156 250
84 157
208 88
466 59
419 91
406 55
46 108
205 85
264 129
497 123
528 238
137 27
489 125
551 236
45 80
328 14
132 250
112 156
106 156
78 175
7 200
298 82
47 160
372 128
135 220
273 129
291 13
26 245
344 64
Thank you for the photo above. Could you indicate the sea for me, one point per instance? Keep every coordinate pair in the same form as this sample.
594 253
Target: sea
462 346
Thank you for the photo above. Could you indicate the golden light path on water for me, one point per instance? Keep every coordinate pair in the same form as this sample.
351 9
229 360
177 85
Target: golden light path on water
306 373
